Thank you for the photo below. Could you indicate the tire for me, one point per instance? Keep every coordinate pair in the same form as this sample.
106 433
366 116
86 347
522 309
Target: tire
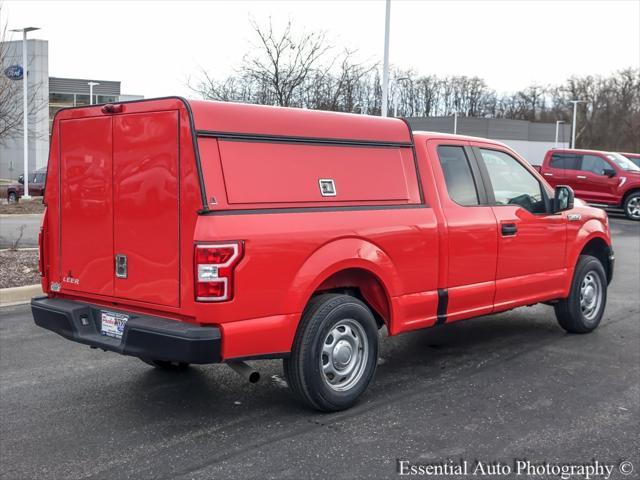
583 309
165 365
631 206
12 198
333 379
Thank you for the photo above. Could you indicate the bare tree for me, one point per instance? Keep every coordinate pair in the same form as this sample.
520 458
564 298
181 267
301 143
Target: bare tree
284 61
289 69
10 109
302 71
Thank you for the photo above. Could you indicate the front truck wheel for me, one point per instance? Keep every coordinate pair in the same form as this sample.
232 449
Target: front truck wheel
582 310
334 354
631 206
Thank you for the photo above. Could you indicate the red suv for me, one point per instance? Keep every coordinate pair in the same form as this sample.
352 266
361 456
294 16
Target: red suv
600 178
199 232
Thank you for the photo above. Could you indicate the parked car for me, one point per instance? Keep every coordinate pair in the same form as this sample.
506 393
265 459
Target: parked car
600 178
37 179
634 157
200 232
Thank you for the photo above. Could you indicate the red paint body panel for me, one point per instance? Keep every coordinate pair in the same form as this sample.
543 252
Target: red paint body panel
282 173
472 238
295 122
86 217
247 338
141 183
145 213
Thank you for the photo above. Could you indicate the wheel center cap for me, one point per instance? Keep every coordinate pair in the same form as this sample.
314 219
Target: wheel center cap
342 354
589 293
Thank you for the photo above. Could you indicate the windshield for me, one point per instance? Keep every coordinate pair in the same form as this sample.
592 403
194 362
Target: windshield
623 162
634 159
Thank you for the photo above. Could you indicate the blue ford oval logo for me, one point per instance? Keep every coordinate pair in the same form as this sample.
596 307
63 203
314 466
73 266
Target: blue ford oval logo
14 72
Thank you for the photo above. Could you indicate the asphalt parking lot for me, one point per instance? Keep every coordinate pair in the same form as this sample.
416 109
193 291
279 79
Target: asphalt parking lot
511 386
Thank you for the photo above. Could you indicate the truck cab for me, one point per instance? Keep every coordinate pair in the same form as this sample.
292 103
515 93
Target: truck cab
191 232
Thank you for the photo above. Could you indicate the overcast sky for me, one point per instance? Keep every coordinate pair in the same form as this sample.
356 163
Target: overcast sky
154 46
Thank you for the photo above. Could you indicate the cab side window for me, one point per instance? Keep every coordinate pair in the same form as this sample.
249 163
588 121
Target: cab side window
594 164
567 161
512 183
457 175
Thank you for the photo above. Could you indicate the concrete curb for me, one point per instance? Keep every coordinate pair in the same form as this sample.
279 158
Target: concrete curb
19 295
13 215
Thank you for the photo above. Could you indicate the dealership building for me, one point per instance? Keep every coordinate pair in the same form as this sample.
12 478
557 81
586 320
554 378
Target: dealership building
46 95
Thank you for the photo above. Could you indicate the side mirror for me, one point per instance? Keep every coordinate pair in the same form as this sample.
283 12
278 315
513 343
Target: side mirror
21 179
563 198
609 172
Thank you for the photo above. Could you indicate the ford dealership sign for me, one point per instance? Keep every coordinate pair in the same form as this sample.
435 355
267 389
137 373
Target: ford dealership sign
14 72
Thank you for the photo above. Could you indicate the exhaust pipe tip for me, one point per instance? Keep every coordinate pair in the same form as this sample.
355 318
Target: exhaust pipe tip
254 377
245 371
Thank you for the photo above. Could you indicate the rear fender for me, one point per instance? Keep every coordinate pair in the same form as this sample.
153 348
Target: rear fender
340 255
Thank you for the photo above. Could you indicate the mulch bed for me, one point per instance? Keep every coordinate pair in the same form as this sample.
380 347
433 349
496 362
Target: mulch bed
18 268
23 206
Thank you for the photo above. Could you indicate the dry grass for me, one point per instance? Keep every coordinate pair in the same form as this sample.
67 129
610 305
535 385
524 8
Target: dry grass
18 268
23 207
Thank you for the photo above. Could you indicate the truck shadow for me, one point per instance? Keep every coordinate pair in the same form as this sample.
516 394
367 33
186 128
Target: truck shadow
417 358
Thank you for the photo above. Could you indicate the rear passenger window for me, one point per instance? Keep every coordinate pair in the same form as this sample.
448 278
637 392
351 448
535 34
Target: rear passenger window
457 175
564 161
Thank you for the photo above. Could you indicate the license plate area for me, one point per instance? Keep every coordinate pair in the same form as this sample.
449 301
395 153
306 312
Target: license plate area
112 323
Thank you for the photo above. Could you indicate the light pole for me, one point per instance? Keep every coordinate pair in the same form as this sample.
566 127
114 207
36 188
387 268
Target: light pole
573 125
558 122
25 107
385 64
455 122
91 85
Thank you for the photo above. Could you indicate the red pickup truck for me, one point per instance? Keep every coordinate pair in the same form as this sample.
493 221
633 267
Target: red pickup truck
600 178
200 232
15 191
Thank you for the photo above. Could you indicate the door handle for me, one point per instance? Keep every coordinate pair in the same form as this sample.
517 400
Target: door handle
548 174
582 177
509 229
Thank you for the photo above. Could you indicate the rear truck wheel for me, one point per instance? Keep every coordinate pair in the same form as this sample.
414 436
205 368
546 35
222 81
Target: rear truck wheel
165 365
582 310
632 206
12 198
334 354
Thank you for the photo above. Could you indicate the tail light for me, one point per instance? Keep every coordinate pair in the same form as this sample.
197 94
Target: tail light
214 266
